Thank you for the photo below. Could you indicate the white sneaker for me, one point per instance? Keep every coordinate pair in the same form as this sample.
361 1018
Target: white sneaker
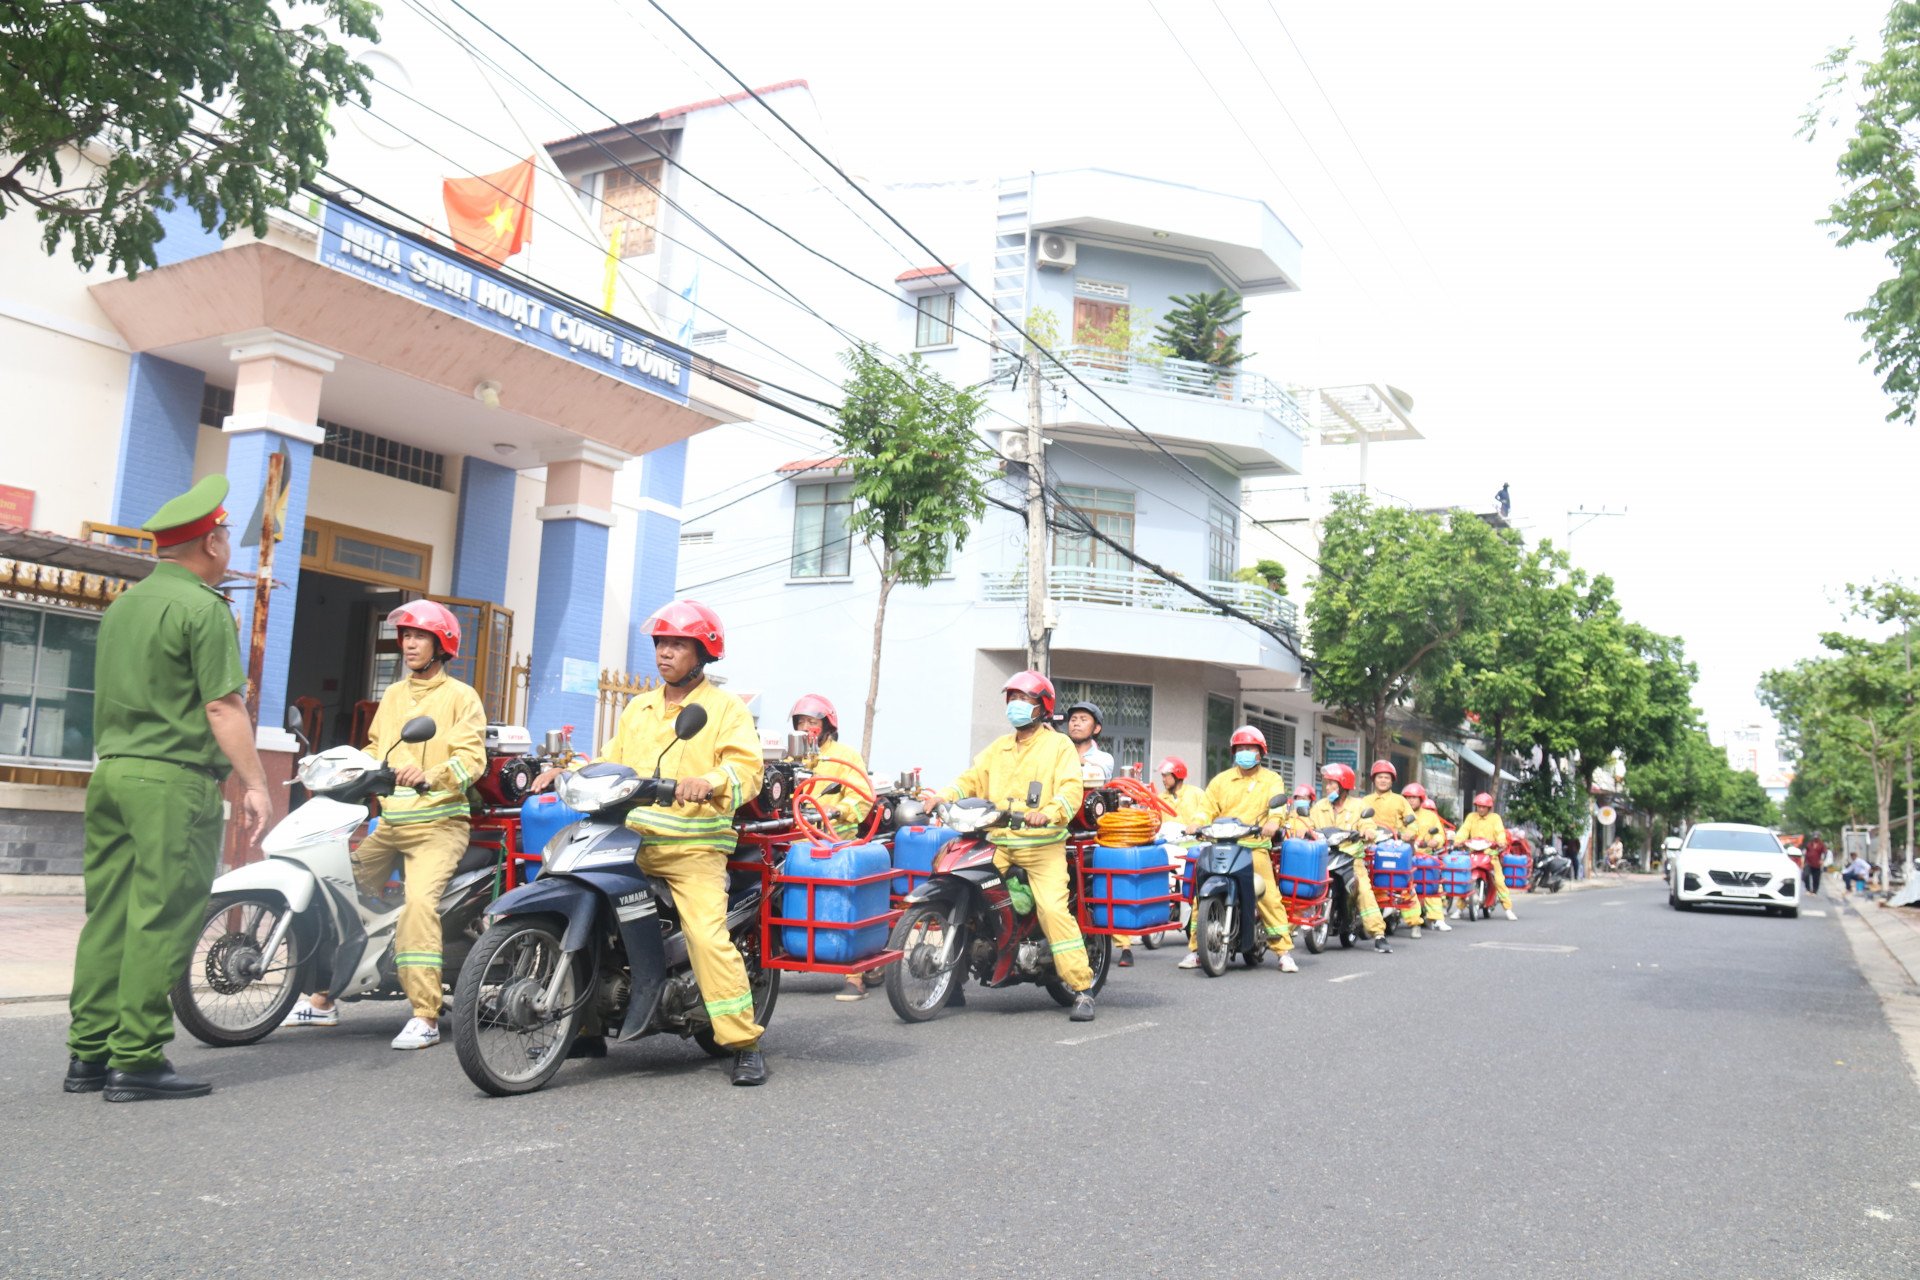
1414 932
305 1015
1453 913
1510 914
1287 965
1191 961
1443 926
417 1034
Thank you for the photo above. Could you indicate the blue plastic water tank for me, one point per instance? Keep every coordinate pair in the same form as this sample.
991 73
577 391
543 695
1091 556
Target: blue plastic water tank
835 904
1130 893
1426 876
1515 867
914 849
542 817
1456 873
1392 865
1302 869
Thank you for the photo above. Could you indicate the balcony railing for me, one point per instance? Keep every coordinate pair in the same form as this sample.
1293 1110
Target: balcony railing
1136 589
1142 372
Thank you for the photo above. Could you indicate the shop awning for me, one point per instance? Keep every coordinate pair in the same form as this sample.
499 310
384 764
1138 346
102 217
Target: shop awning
56 551
1483 764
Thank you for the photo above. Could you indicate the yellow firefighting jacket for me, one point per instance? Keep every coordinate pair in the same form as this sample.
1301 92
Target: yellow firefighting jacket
842 763
726 753
1008 767
1427 831
1244 795
452 759
1344 816
1390 814
1189 805
1475 827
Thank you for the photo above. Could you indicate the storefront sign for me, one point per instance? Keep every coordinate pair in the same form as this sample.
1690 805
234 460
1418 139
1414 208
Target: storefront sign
579 676
16 507
1340 748
406 264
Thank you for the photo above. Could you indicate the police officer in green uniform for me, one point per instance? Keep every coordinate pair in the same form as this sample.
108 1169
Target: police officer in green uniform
169 720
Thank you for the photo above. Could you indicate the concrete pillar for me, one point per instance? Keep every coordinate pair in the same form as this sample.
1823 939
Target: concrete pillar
563 683
159 434
656 545
276 407
484 532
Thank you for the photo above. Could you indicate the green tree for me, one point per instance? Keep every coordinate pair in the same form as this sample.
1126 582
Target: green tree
101 131
919 480
1399 593
1197 328
1742 799
1880 192
1270 574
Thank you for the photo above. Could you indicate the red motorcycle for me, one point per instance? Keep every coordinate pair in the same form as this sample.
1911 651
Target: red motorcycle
1484 900
960 921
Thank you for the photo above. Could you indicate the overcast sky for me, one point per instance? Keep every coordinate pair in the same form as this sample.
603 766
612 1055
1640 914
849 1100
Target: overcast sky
1595 263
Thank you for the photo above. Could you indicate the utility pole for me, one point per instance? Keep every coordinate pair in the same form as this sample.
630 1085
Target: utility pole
1037 658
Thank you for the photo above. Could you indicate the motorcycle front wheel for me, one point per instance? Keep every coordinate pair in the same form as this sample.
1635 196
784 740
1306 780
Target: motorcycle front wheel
764 983
505 1045
1316 937
918 987
231 993
1211 930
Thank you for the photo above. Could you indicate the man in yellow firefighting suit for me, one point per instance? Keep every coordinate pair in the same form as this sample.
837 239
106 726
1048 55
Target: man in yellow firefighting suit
1429 836
1391 814
687 844
1484 824
1340 808
1244 791
1005 772
426 822
844 810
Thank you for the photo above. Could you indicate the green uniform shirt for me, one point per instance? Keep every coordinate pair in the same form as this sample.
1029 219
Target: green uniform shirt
167 648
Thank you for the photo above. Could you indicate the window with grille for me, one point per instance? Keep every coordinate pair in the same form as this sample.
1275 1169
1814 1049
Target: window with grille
1281 743
933 325
1100 289
46 683
1111 512
1223 544
216 406
631 196
381 456
1126 710
822 547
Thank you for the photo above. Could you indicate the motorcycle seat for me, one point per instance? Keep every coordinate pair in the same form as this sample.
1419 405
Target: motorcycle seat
478 857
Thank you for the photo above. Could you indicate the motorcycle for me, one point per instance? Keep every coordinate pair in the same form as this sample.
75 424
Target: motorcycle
296 921
1483 899
1225 920
960 920
1550 871
1342 921
594 935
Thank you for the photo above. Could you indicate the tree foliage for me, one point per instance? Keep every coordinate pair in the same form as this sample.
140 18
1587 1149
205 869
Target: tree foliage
1880 199
1198 328
112 114
919 480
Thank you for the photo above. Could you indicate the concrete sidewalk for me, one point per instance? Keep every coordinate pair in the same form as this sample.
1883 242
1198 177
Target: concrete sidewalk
1898 928
37 937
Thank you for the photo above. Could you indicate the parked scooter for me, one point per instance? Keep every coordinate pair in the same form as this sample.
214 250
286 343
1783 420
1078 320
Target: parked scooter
296 922
1225 920
594 935
1550 870
961 921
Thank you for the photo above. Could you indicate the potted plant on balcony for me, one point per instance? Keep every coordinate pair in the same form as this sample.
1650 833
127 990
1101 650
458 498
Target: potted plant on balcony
1196 330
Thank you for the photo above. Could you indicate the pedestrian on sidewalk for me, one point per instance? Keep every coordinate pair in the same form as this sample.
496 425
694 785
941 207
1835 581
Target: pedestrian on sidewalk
169 722
1855 875
1813 861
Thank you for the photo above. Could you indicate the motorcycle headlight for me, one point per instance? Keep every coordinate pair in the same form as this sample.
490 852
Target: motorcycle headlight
592 794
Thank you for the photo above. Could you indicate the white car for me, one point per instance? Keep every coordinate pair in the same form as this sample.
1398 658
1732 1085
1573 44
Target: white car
1733 864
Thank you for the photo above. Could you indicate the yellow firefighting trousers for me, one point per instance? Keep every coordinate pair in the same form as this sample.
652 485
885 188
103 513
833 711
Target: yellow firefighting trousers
698 879
1046 869
429 852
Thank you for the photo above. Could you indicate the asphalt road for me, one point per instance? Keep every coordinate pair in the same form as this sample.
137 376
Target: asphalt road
1602 1089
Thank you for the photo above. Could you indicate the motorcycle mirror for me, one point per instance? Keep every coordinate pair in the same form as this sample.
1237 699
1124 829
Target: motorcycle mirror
1366 813
418 729
1276 802
1033 795
691 720
297 726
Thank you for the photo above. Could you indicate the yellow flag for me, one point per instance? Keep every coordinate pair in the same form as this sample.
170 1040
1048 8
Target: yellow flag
613 264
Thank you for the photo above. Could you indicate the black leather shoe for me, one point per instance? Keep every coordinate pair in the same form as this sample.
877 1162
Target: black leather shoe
749 1067
84 1076
588 1047
156 1085
1082 1008
1380 945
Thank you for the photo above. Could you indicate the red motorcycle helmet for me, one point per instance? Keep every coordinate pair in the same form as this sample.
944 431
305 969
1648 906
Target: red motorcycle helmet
812 704
435 619
1248 736
1340 775
1383 766
1175 766
693 621
1032 682
1415 793
1483 799
1304 792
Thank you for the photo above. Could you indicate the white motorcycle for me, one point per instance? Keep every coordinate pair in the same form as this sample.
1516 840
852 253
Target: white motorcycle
296 922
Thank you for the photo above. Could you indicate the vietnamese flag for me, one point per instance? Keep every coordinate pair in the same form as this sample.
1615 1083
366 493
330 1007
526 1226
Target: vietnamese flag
491 217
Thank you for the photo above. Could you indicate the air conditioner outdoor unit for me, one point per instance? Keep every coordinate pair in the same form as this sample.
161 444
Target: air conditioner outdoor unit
1057 251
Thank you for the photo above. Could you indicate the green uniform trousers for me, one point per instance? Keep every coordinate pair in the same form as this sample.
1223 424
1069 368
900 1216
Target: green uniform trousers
153 839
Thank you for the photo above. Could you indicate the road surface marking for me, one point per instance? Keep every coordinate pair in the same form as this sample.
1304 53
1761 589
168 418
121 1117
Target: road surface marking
1814 912
1545 948
1617 902
1348 977
1102 1035
1881 1214
400 1172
